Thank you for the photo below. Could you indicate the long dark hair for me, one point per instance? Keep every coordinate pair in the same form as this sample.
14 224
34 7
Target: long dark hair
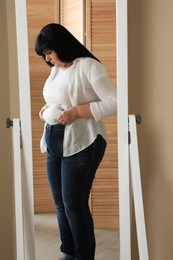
57 38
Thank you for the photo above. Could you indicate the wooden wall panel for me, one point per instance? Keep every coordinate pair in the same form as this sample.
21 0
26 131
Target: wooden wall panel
71 16
39 13
101 35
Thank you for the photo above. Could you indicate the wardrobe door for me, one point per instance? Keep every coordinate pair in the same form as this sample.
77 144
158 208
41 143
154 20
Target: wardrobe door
39 14
93 23
101 40
72 17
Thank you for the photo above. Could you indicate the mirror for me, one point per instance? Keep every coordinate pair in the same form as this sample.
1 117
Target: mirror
94 24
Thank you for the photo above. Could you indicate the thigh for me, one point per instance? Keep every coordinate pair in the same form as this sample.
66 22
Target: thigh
54 176
78 172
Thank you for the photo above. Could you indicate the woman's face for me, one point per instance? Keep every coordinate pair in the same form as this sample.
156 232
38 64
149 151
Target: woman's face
51 56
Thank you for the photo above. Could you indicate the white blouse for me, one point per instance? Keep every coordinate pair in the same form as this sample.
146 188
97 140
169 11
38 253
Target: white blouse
86 81
56 95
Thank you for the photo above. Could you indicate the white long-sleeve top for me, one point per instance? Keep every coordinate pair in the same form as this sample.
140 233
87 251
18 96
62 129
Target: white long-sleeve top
86 82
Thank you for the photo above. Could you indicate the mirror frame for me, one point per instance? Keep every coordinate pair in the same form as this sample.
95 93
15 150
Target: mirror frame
123 153
123 150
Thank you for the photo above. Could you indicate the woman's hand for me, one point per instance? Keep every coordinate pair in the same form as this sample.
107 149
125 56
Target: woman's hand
68 116
41 111
73 113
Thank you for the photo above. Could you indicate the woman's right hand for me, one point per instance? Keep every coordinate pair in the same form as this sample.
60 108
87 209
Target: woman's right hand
42 110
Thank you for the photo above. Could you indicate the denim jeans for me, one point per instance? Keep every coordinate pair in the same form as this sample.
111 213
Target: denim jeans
70 179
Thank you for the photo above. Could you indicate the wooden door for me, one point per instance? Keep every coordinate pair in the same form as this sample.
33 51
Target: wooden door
101 39
72 17
95 20
39 14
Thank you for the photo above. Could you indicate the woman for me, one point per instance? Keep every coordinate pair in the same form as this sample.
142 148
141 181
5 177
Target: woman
78 94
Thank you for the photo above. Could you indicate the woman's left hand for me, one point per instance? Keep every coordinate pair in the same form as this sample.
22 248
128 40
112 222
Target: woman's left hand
68 116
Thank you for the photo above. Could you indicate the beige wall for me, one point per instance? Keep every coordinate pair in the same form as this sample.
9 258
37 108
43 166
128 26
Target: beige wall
9 107
151 95
6 197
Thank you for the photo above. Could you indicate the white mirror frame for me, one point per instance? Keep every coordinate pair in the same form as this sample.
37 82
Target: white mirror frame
26 136
122 93
123 152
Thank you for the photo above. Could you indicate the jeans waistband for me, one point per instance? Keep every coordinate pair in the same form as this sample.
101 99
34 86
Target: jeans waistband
57 126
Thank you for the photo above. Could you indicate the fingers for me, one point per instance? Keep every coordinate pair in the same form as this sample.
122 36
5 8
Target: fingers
61 120
41 112
65 118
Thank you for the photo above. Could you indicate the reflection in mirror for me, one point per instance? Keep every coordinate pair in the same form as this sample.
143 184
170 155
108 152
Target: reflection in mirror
93 24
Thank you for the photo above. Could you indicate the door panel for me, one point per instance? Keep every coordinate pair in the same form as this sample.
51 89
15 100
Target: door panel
99 20
72 17
39 15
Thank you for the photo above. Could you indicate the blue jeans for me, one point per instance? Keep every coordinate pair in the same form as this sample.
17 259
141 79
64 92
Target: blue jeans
70 179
